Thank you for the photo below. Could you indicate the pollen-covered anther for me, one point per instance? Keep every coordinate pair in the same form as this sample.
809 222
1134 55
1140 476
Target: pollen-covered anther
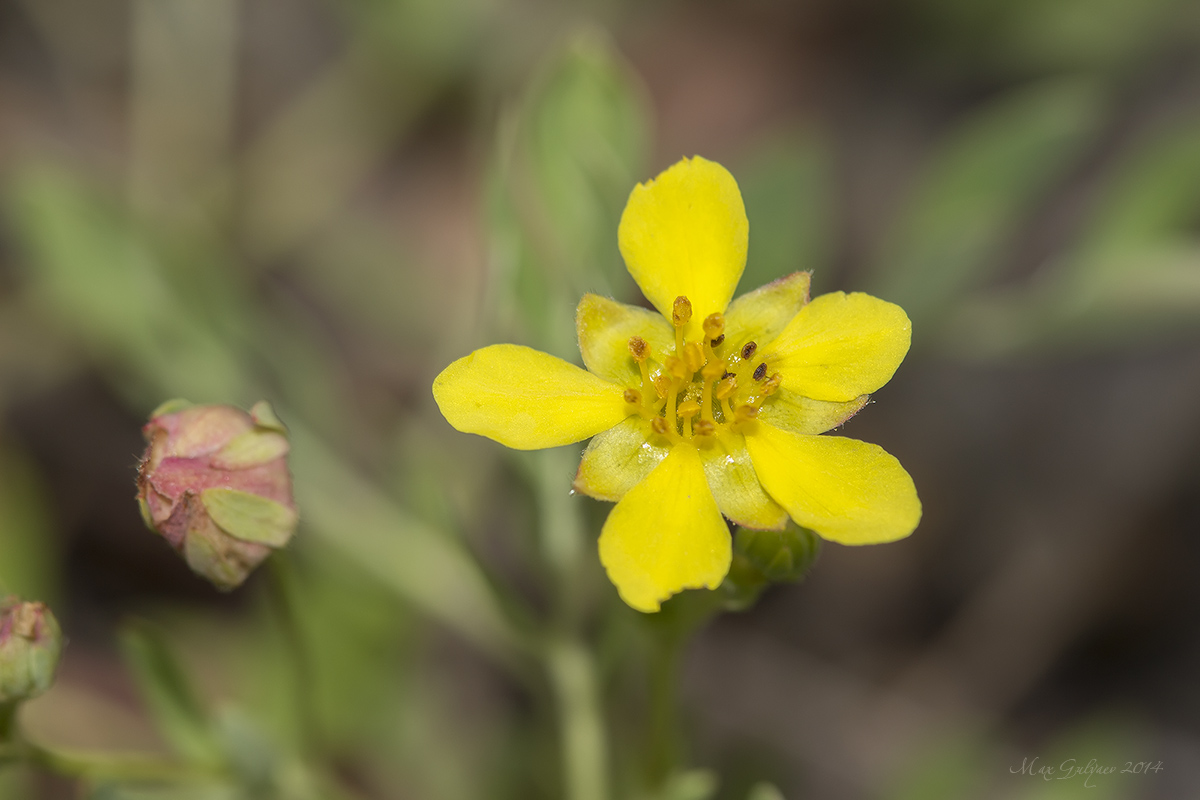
633 396
704 427
688 408
714 326
726 387
745 413
693 356
638 348
681 311
659 426
760 372
748 350
677 368
662 385
772 385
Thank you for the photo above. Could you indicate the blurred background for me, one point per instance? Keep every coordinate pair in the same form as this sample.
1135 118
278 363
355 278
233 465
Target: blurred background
323 202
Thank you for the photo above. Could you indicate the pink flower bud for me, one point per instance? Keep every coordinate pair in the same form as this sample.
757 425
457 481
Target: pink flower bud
214 483
30 644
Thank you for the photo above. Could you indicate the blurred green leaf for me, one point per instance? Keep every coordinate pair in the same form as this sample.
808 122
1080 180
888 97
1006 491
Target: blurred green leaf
29 566
91 272
169 696
1152 197
566 162
787 185
767 791
695 784
981 184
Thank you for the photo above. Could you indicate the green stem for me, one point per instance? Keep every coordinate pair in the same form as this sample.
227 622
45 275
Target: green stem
663 725
283 595
581 720
121 768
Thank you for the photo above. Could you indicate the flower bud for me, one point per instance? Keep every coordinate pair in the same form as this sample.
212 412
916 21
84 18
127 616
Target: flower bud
214 483
30 644
780 556
761 558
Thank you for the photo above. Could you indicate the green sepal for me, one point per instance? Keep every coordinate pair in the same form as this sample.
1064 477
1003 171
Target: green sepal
264 417
250 449
250 517
172 406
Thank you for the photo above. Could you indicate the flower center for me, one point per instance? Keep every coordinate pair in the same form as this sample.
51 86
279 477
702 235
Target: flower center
701 388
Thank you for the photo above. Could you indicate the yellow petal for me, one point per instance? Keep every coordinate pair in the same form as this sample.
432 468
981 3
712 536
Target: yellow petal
526 399
761 315
799 414
840 346
605 327
685 233
666 534
846 490
618 459
735 486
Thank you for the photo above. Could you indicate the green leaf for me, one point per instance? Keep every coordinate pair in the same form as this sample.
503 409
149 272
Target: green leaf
566 159
250 517
787 185
981 184
172 702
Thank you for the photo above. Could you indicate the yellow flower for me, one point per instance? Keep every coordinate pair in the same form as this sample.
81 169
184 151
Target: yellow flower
708 410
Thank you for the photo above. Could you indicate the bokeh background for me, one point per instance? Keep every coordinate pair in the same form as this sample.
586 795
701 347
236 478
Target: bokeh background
323 202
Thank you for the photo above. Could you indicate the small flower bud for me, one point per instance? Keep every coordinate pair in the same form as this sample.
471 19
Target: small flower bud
30 645
780 556
214 483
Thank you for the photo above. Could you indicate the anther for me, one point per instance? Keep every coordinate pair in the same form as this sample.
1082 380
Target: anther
633 396
681 312
726 387
688 408
727 374
713 370
704 427
659 426
662 385
745 413
714 325
748 350
693 356
677 368
761 372
772 384
639 349
717 341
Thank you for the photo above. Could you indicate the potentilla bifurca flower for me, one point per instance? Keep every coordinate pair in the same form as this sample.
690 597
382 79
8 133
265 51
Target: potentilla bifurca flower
708 410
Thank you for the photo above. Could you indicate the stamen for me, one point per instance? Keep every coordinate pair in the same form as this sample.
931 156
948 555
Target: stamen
693 356
633 396
677 368
714 326
717 341
745 413
681 312
639 349
687 410
662 385
705 427
659 426
726 386
748 350
772 385
761 372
